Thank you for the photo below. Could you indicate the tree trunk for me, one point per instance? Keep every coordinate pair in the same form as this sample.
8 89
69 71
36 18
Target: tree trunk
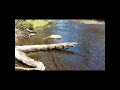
27 69
21 56
59 46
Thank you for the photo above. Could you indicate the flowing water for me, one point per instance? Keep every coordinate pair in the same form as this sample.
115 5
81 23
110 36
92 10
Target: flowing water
89 54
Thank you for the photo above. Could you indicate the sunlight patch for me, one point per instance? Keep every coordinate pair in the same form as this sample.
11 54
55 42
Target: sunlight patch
91 22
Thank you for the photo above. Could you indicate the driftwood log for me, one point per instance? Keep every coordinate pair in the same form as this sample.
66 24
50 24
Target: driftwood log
21 56
59 46
27 69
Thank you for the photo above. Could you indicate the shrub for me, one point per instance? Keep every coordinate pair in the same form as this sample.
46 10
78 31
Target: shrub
23 25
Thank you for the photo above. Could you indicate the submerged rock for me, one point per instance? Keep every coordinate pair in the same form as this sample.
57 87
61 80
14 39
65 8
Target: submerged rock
53 37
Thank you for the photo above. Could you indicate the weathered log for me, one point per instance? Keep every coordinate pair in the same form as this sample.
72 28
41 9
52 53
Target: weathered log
27 69
59 46
21 56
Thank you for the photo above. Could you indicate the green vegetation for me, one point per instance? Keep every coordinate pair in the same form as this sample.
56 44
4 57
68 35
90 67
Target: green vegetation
37 23
30 24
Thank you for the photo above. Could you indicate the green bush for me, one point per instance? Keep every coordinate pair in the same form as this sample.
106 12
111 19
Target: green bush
30 24
23 25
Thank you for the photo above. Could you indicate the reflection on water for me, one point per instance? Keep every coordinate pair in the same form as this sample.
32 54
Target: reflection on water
89 54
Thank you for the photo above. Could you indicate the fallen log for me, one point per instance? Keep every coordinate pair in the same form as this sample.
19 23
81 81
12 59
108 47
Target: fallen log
59 46
27 69
21 56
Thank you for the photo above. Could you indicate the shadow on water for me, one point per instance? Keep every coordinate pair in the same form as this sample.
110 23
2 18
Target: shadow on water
89 54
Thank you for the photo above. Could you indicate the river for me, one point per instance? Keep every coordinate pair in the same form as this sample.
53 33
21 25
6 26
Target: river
89 54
